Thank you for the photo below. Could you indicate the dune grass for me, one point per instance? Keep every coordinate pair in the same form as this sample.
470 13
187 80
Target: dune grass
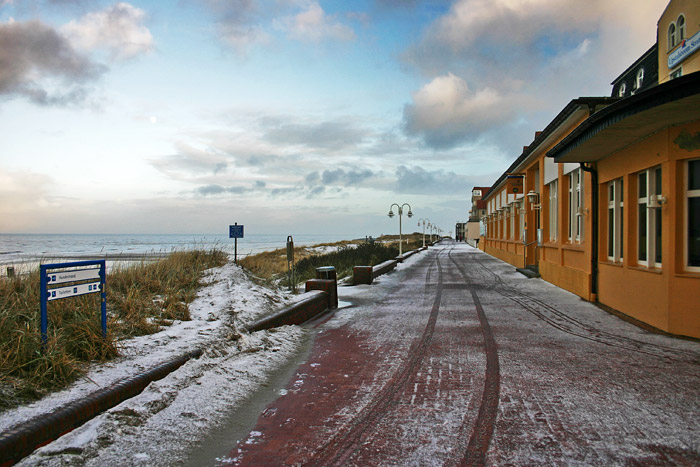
272 265
140 299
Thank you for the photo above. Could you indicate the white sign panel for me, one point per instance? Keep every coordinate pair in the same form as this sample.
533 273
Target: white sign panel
681 53
73 276
72 290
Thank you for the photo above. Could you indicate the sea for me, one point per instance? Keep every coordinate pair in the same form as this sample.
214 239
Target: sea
32 249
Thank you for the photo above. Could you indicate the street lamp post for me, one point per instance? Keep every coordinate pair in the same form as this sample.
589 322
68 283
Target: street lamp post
391 214
419 220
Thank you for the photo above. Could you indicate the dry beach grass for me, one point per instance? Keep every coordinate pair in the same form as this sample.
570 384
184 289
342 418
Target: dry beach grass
140 297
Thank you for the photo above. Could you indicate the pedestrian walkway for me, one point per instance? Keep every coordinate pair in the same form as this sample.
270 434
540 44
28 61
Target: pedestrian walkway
465 361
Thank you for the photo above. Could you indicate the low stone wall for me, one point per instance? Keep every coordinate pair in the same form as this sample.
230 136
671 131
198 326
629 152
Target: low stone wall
23 439
383 268
314 303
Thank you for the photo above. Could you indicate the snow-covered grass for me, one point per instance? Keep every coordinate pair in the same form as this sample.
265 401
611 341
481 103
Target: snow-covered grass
141 298
197 395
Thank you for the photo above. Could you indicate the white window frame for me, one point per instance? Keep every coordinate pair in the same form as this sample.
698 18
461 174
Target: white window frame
616 206
653 237
576 207
677 73
553 210
680 28
621 91
688 194
640 78
511 214
672 38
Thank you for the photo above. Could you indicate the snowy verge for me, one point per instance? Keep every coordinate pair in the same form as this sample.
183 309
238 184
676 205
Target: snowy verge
184 403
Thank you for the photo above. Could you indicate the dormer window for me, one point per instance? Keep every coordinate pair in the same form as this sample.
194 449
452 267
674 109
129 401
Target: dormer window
621 91
672 38
680 26
640 78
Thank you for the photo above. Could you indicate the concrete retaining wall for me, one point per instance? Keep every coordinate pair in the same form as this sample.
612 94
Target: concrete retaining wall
28 436
315 303
383 268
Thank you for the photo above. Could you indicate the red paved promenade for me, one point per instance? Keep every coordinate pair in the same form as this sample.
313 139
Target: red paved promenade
462 361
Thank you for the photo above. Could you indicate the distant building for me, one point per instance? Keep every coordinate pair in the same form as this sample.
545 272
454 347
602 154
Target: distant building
610 203
473 228
460 229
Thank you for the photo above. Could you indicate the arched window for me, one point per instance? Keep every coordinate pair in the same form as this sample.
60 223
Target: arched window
621 91
680 25
672 40
640 78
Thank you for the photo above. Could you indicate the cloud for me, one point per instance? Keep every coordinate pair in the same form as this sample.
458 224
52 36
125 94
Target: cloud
213 190
346 178
190 160
446 112
523 61
314 25
39 64
118 29
417 180
335 135
23 199
238 22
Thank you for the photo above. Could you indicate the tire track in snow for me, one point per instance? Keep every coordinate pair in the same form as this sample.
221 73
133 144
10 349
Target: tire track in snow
485 423
339 449
573 326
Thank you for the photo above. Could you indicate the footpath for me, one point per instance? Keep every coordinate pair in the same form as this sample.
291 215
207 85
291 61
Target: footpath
463 361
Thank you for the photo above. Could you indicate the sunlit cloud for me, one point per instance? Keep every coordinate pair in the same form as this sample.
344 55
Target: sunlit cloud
119 29
314 25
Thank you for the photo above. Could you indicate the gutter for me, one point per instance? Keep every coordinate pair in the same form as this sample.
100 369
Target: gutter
595 235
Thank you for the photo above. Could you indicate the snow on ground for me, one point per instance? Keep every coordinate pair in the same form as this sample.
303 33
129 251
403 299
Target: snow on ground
160 424
172 415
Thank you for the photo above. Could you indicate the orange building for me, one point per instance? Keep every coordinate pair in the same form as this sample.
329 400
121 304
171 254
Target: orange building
612 204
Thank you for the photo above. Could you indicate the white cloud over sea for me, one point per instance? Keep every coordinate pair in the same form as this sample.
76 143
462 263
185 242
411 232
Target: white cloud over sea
301 115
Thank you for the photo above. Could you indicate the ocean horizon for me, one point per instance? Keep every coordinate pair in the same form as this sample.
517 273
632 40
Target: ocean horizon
23 248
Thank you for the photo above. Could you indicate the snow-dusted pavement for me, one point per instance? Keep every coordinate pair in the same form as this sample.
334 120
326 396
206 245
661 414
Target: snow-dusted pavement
460 360
452 358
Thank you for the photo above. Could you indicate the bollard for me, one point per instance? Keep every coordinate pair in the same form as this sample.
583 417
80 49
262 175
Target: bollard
326 280
362 275
325 285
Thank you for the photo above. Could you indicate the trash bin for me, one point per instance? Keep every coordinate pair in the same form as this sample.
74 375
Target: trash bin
326 272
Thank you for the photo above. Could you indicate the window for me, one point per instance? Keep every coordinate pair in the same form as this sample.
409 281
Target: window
677 73
672 39
693 215
616 214
553 211
521 211
622 90
640 78
680 25
576 208
649 218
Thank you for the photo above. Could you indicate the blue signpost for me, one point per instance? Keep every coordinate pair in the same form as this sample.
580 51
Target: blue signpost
235 231
75 282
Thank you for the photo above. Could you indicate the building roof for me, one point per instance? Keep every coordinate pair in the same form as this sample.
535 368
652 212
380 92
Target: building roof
624 74
589 103
632 119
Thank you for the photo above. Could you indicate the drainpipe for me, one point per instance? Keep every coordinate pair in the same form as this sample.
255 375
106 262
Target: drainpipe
594 222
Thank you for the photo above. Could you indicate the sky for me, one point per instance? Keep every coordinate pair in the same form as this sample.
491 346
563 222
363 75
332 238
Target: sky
286 116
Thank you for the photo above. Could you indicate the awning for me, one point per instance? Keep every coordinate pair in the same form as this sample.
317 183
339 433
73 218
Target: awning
632 119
